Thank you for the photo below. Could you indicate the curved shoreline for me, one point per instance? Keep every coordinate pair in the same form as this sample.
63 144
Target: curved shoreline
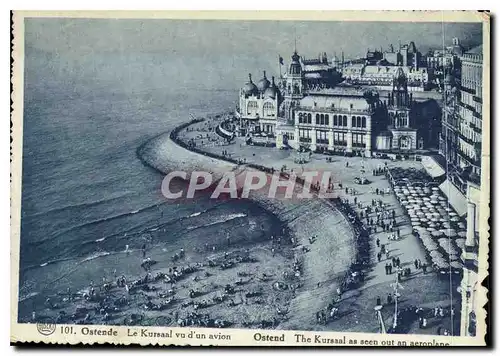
325 263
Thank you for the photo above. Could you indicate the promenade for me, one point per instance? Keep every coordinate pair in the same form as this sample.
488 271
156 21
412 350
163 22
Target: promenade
428 290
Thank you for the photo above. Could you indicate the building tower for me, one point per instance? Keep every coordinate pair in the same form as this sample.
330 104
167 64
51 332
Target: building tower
293 87
399 107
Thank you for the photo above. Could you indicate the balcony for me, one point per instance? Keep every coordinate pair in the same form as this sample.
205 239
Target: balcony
472 161
367 112
466 139
477 99
475 128
467 90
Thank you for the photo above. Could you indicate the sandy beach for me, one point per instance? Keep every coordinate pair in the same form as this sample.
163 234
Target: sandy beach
270 275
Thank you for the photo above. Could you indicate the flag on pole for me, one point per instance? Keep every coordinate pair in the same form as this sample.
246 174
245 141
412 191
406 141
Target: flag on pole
281 60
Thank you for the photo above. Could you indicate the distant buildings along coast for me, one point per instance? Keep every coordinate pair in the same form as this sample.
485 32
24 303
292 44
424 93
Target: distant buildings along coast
397 102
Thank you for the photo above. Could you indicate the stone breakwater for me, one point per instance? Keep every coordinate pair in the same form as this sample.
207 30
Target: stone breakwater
325 263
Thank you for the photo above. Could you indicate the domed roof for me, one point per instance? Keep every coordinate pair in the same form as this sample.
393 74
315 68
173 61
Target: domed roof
263 84
250 88
271 92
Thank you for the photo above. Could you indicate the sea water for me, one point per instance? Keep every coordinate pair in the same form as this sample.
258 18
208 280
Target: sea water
85 193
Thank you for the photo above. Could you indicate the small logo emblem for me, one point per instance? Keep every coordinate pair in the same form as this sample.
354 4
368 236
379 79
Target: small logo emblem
46 328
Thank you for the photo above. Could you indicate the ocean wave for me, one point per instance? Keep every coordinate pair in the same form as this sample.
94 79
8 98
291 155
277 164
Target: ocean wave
27 296
80 205
219 221
96 255
96 221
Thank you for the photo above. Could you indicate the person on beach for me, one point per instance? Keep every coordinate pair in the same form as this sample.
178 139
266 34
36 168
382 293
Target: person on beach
379 256
143 251
378 242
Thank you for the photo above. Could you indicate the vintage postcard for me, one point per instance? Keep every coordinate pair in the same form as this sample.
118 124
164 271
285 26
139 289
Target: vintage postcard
250 178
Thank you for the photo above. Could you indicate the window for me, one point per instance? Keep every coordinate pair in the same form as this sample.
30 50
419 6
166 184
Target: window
327 119
321 137
334 120
353 121
322 119
344 123
268 109
358 121
309 118
363 121
300 118
252 108
317 119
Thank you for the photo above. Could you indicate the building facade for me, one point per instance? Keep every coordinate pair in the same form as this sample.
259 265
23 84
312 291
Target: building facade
380 76
460 144
312 108
470 113
258 106
339 122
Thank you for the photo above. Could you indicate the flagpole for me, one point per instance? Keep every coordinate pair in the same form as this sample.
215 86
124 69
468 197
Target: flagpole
279 63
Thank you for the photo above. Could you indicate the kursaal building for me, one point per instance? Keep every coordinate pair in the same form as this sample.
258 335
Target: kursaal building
311 106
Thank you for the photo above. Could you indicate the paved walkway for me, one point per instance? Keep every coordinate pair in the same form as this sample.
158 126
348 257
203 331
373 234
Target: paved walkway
422 289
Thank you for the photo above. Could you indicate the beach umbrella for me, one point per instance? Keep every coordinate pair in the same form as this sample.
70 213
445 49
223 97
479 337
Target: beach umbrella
460 243
450 233
456 265
435 189
444 265
435 253
424 219
461 225
442 198
455 219
452 213
420 213
434 220
462 233
450 210
416 223
430 229
436 233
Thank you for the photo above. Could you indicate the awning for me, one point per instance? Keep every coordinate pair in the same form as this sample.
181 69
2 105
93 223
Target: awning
456 199
432 167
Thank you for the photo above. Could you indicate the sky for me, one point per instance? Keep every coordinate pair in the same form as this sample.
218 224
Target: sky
212 53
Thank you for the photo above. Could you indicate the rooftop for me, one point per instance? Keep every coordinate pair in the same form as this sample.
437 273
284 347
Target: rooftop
475 50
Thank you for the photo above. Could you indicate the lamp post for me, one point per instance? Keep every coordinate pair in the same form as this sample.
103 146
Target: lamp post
378 309
396 285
